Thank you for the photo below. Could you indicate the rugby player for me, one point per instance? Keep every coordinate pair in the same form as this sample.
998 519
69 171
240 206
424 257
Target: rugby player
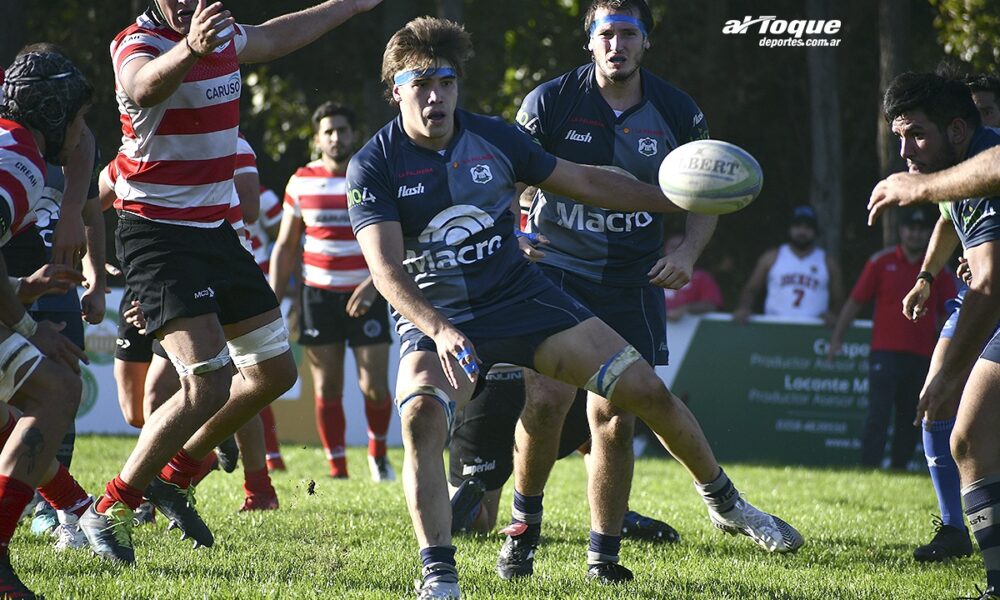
430 201
338 302
178 85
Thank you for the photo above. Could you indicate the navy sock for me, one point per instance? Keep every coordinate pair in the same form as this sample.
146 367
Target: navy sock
527 510
603 548
944 471
438 563
720 493
982 505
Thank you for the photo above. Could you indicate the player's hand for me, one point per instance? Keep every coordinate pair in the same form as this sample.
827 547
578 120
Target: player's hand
56 346
529 242
112 270
362 299
134 316
964 271
454 348
207 23
93 305
673 271
898 189
915 302
741 316
69 241
50 279
939 392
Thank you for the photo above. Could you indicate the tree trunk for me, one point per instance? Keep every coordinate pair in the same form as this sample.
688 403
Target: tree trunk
826 183
12 28
894 58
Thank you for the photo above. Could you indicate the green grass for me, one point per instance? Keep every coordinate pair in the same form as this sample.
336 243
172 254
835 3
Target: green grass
352 539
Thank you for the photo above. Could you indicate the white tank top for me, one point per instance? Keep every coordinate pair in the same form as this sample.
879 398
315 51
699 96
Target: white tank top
798 287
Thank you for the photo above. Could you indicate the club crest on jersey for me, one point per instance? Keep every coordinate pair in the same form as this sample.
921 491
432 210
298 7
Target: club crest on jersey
647 146
481 174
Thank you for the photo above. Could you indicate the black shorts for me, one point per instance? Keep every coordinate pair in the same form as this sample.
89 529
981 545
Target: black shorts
179 271
638 314
323 320
73 320
131 346
482 438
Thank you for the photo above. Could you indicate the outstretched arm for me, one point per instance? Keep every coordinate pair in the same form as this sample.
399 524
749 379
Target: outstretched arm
606 189
287 33
753 286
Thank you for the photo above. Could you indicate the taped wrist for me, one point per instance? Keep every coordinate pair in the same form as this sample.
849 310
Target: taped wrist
26 326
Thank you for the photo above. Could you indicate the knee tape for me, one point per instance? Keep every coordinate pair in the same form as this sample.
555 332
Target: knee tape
15 353
260 344
200 368
428 390
603 382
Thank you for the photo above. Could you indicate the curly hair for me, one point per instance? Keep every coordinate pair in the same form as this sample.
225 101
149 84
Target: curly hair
942 99
421 44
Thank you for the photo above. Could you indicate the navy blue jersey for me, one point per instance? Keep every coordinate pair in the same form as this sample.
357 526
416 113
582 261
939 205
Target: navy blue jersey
569 118
976 219
454 211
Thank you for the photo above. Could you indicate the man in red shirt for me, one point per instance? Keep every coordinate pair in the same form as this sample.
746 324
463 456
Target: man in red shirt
900 348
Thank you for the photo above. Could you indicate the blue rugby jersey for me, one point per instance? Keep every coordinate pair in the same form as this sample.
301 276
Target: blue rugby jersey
454 211
976 219
569 118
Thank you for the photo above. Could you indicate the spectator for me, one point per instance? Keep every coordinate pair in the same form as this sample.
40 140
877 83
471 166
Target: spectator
700 295
802 280
985 93
900 349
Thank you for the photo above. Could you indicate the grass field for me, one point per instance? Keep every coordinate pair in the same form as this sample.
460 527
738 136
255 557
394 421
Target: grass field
352 539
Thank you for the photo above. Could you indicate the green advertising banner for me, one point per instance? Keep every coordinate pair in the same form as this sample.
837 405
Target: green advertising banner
766 391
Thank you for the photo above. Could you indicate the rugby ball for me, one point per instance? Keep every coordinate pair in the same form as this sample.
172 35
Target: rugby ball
710 177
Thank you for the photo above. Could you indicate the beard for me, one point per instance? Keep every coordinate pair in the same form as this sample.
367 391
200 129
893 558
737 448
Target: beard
802 243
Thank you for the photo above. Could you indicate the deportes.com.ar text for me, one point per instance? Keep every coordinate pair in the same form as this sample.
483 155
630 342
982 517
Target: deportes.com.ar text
797 42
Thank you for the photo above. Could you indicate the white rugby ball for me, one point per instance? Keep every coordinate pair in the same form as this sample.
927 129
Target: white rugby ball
710 177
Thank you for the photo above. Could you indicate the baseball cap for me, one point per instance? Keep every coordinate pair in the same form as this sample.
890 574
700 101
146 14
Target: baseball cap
805 214
916 215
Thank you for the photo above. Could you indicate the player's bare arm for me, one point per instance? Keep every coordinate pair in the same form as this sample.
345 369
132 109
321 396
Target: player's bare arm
606 189
287 33
287 253
92 301
836 290
978 176
69 237
248 190
674 270
382 246
754 285
942 245
149 82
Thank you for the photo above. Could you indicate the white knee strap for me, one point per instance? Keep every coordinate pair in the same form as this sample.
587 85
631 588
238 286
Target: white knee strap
260 344
200 368
603 382
15 352
429 390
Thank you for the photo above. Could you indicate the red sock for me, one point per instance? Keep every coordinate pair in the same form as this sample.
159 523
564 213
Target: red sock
14 496
208 465
258 483
119 491
331 424
270 434
181 469
8 428
64 493
378 416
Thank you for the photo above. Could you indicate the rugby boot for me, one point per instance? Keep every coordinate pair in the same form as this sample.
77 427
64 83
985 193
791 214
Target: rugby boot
45 520
440 580
110 534
608 573
465 503
517 556
381 469
145 514
948 542
640 527
229 454
770 532
988 594
177 505
11 586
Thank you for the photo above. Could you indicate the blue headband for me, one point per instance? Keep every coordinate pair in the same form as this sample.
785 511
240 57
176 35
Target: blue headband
405 77
618 19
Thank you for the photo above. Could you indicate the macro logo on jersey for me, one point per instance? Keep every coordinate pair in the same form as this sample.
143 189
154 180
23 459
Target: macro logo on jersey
481 174
580 218
647 146
453 226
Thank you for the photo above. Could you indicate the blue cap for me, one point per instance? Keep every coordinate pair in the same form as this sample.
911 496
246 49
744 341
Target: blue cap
805 214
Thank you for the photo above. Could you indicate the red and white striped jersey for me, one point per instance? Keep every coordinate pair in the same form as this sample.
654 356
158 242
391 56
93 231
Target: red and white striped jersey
270 215
246 158
22 179
331 256
177 158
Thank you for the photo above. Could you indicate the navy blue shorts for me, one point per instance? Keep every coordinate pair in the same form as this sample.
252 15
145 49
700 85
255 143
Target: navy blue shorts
991 351
524 327
638 314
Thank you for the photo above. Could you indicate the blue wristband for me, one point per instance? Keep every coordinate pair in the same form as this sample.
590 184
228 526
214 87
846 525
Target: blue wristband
532 237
